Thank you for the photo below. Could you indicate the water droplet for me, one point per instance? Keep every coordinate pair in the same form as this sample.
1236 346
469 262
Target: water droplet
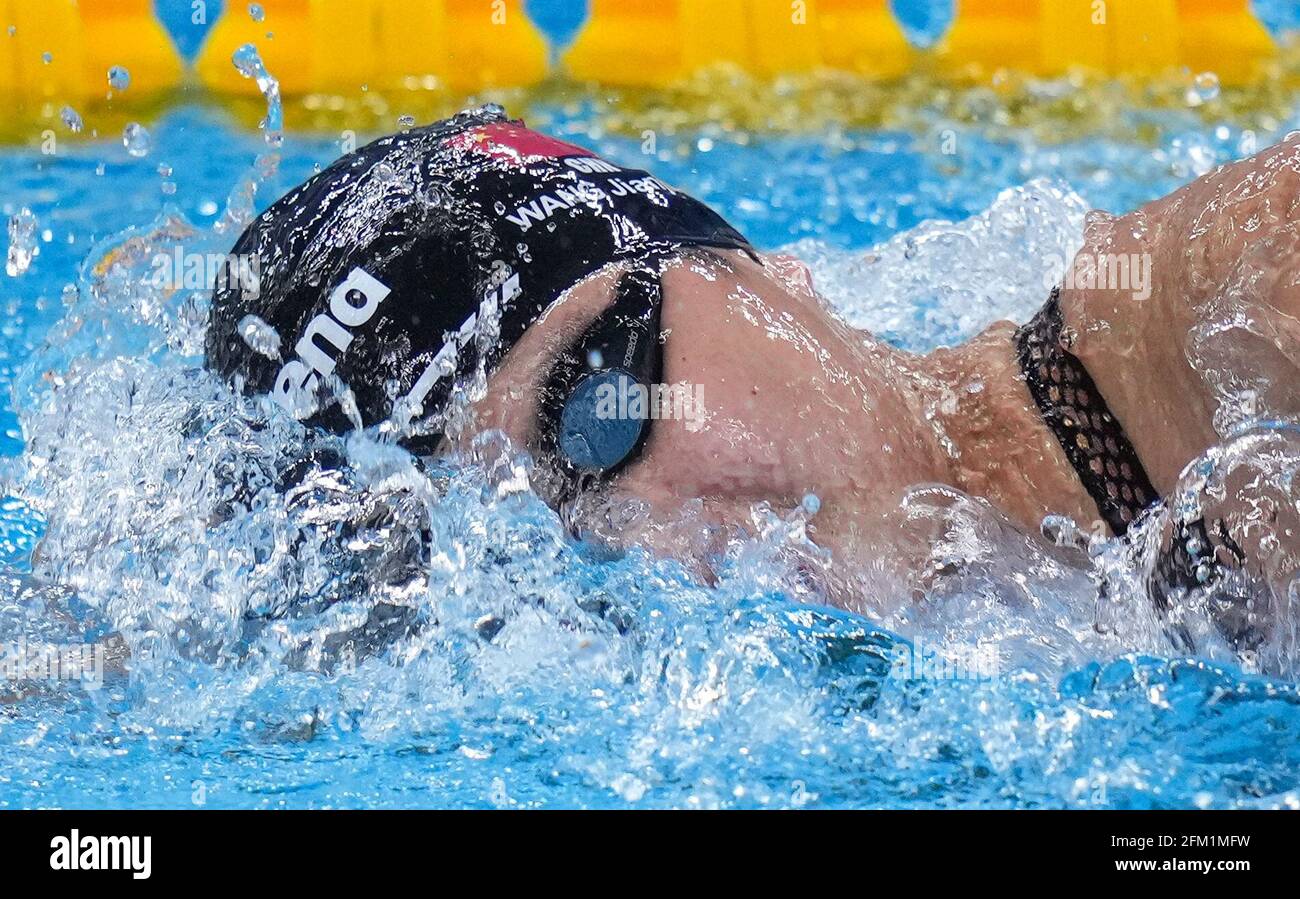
47 57
246 60
255 12
71 119
1204 573
22 242
260 336
136 140
119 79
406 121
1205 87
249 64
1201 158
434 196
499 208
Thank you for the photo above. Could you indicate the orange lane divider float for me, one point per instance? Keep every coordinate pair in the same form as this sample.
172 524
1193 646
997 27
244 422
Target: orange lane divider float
1144 37
650 43
60 51
55 52
337 46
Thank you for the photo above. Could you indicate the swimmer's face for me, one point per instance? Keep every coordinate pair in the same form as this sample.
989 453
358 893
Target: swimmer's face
780 399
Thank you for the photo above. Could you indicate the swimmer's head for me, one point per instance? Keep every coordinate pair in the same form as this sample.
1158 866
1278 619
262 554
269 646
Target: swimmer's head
384 275
407 269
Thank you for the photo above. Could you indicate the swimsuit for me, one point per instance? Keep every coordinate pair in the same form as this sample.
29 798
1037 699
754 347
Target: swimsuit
1101 454
1074 410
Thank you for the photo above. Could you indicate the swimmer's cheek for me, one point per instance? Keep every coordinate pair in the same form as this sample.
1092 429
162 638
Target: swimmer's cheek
719 460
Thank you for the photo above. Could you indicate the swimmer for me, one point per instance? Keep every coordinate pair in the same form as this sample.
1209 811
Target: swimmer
474 275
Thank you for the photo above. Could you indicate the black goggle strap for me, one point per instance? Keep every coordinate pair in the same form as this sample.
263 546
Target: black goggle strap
626 336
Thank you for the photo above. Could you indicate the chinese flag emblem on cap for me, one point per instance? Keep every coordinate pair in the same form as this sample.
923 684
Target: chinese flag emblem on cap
515 143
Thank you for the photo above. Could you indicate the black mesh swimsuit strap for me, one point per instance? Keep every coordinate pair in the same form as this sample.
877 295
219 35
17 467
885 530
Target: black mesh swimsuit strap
1073 408
1097 447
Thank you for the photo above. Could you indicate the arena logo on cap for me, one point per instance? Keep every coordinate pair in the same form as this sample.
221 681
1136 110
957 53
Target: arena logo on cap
352 304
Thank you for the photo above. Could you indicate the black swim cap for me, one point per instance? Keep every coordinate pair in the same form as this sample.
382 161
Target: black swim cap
388 269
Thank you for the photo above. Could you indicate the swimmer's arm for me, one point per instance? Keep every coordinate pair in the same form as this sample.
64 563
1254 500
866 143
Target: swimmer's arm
1227 243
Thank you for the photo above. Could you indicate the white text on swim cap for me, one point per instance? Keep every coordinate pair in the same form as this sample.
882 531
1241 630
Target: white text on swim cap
352 304
443 363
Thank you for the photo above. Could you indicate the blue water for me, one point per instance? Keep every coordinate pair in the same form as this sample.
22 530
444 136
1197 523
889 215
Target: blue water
600 681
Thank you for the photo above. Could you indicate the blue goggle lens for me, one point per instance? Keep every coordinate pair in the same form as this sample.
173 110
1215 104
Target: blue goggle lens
597 430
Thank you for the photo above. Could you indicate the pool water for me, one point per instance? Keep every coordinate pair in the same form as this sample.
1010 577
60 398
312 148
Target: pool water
541 672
